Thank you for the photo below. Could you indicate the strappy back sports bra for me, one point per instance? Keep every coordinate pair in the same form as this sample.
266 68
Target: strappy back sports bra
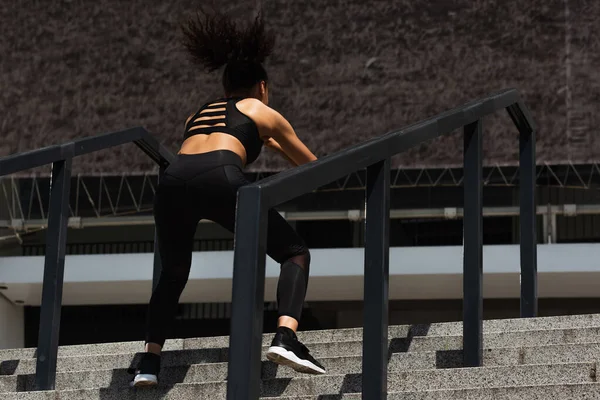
226 118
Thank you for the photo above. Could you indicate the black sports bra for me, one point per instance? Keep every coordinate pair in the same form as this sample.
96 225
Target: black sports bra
231 121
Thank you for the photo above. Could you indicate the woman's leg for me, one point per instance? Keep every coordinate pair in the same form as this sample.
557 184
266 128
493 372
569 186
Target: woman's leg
286 247
176 220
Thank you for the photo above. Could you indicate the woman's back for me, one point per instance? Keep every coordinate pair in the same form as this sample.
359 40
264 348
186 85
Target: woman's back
233 124
242 125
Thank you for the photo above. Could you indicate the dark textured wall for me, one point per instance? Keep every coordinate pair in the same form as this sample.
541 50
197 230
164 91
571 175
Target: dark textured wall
345 71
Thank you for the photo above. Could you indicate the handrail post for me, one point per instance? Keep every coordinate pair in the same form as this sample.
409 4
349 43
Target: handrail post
473 246
245 343
54 268
527 219
377 273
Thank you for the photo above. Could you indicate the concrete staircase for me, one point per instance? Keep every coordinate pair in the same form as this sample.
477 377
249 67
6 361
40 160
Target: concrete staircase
536 358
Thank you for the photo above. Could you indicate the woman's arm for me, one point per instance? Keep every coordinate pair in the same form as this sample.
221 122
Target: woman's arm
281 132
272 144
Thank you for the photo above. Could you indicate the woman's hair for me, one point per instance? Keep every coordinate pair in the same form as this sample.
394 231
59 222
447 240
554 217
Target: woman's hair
214 40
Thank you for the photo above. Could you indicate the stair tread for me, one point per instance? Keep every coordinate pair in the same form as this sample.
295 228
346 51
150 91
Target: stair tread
452 329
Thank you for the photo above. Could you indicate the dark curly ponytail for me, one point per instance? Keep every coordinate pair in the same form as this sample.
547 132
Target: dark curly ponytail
214 40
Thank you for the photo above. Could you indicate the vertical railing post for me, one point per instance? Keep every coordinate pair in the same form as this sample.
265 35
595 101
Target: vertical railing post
377 250
157 265
54 267
527 218
473 246
243 381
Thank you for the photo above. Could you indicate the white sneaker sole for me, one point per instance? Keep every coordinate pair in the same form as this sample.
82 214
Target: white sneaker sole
281 356
142 380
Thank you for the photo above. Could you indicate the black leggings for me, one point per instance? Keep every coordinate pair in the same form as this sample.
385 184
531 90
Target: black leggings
204 186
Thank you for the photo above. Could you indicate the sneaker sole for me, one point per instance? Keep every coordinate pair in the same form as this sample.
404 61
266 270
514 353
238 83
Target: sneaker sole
144 380
281 356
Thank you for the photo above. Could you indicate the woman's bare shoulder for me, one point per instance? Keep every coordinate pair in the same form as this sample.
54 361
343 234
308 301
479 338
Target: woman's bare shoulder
258 111
251 105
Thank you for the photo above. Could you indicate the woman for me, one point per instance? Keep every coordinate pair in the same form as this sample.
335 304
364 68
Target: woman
220 139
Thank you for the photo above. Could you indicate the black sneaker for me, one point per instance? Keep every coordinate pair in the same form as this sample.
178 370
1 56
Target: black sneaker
146 374
286 349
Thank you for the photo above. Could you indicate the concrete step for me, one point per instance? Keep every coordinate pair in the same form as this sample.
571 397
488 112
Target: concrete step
502 339
515 340
437 384
587 391
400 331
326 352
283 381
9 359
207 372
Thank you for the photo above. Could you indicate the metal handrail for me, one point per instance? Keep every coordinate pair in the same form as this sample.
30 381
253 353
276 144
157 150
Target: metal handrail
256 199
61 156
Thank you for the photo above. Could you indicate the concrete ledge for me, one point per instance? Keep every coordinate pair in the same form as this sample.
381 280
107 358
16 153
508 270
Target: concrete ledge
564 270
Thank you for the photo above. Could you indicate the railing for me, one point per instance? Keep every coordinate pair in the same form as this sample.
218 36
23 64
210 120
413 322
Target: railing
61 156
255 200
250 236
